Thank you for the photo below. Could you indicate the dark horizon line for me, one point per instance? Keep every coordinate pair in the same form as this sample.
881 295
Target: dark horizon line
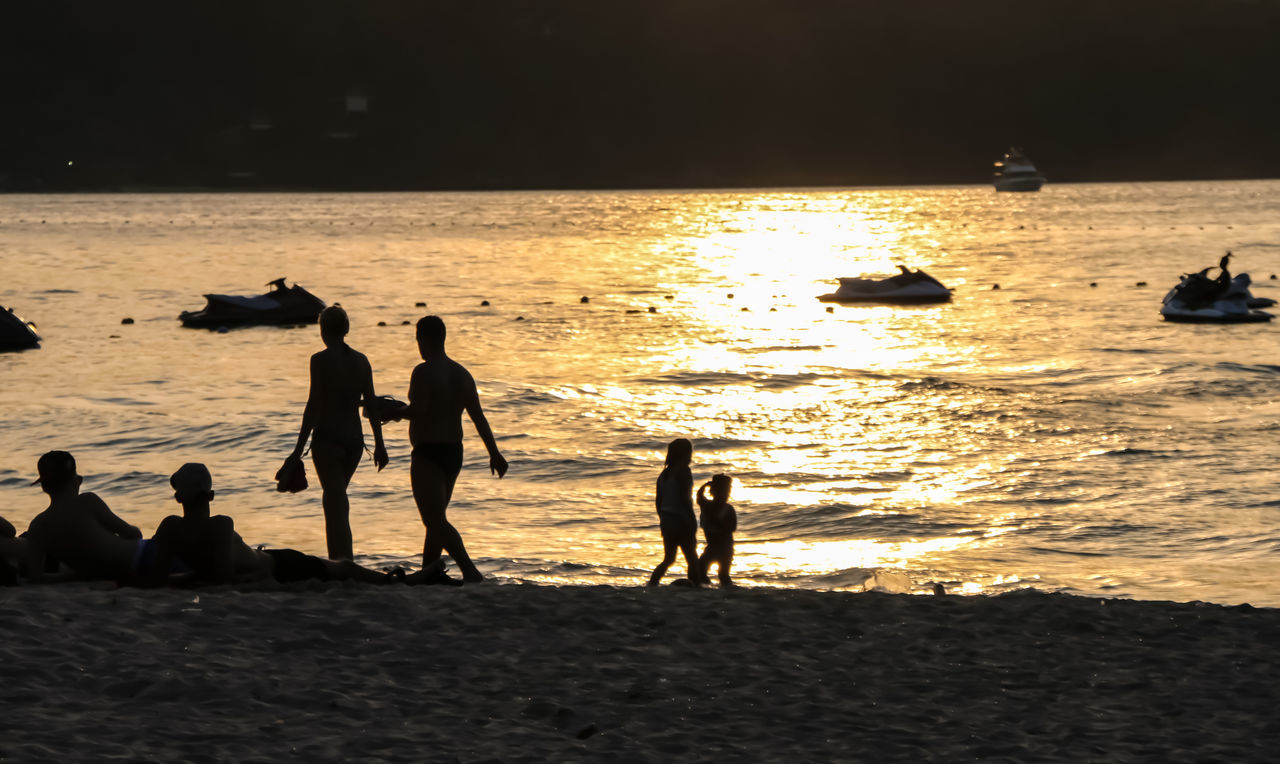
280 189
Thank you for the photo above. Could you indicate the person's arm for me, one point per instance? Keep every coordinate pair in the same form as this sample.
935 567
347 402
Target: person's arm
406 412
108 519
370 401
497 464
308 412
224 540
703 501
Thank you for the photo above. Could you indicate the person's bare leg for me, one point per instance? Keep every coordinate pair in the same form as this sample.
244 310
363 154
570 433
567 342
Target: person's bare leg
726 559
690 548
432 490
669 549
334 468
346 570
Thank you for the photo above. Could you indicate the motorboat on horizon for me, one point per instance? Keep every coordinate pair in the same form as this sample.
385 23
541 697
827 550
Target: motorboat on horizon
906 288
282 305
1015 172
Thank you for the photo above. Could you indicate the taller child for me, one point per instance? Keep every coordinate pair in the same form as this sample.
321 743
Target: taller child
340 379
439 391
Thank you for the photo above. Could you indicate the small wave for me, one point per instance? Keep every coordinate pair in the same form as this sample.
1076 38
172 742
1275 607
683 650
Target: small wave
1261 368
723 379
776 348
1134 351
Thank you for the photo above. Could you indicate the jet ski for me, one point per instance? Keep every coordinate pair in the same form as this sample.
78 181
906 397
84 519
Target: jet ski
282 305
906 288
16 334
1198 299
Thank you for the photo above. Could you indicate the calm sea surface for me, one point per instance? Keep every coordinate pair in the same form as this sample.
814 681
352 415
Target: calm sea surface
1049 433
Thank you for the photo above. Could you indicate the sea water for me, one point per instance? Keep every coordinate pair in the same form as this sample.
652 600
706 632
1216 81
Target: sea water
1052 432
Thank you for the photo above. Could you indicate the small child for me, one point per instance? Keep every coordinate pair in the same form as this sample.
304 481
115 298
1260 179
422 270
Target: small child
675 512
719 521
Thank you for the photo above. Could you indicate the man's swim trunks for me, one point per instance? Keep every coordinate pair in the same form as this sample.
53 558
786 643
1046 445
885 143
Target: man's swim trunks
292 565
446 456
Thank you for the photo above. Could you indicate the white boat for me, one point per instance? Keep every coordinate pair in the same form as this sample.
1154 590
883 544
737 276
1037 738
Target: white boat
906 288
1015 172
1198 299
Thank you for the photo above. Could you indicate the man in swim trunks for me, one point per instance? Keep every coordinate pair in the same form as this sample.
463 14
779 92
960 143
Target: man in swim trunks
215 553
80 530
439 391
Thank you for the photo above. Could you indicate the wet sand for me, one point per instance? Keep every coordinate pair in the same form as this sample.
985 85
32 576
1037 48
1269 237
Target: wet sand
331 672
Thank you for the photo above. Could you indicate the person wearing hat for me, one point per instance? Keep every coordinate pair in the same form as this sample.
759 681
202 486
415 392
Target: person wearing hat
79 529
214 552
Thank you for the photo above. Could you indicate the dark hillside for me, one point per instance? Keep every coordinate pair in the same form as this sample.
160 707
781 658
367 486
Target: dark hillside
661 93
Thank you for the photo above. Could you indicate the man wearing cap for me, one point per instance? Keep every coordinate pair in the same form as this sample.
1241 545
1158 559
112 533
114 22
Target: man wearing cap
79 529
210 546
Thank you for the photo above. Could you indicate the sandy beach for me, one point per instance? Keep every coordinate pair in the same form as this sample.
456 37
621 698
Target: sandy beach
333 672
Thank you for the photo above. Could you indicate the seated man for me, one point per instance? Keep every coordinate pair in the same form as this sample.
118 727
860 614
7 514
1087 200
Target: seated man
80 530
215 553
13 553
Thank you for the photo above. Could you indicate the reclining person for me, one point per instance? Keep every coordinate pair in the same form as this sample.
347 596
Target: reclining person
212 549
80 530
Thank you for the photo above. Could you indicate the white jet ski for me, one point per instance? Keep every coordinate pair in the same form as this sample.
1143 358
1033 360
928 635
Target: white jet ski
906 288
1198 299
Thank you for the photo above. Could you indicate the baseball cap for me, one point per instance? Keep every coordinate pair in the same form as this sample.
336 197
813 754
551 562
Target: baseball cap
55 468
191 479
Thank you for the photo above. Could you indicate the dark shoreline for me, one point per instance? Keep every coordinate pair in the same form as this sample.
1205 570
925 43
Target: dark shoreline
525 673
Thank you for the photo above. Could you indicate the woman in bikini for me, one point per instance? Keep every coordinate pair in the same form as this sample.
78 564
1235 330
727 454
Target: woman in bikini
341 379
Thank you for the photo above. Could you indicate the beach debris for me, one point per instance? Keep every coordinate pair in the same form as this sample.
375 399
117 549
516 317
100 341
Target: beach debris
1093 283
652 309
669 297
405 322
995 286
585 299
731 295
382 323
1141 284
831 309
565 719
126 320
419 305
484 303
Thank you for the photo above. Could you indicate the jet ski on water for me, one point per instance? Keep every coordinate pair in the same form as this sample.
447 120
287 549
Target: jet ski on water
906 288
282 305
16 334
1198 299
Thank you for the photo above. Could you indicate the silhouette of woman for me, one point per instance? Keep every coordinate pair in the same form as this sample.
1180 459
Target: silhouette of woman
341 379
674 500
